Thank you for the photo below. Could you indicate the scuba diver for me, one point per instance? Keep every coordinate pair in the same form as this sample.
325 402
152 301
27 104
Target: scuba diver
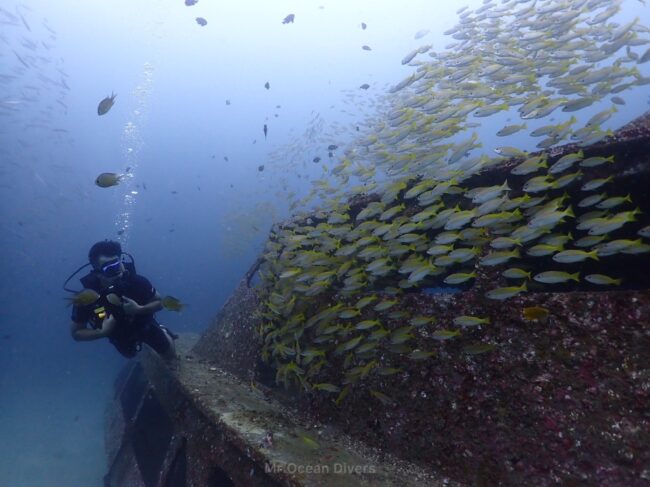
119 305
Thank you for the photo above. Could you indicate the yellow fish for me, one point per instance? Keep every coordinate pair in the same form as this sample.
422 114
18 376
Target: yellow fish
172 304
84 297
478 348
309 442
114 299
502 293
445 334
382 397
536 313
327 387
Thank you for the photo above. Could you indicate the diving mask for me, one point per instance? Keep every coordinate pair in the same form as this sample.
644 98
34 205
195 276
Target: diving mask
112 268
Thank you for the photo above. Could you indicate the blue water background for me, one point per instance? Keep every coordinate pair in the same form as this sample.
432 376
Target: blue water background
201 221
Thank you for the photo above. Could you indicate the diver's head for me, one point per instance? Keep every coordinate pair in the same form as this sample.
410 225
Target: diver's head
106 259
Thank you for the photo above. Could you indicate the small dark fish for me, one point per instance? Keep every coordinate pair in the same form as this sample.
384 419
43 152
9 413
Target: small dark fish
128 169
189 3
227 102
364 86
255 228
174 192
76 418
120 232
212 156
330 154
421 33
267 85
289 19
266 129
48 27
6 337
357 128
278 106
316 159
108 179
366 48
254 141
199 188
232 185
24 22
363 25
106 104
225 158
259 168
201 21
144 186
332 147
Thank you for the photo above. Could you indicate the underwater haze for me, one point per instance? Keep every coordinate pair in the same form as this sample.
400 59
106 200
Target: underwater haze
229 117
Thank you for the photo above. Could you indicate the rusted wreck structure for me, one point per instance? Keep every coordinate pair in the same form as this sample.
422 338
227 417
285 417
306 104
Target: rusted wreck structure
559 401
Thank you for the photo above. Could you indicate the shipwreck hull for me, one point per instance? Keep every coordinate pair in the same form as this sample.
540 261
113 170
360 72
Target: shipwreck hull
196 425
559 400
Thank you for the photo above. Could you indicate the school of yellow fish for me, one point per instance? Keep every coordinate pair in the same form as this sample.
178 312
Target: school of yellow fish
332 277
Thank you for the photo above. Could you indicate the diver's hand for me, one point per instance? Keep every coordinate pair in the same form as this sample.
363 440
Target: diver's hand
130 307
108 325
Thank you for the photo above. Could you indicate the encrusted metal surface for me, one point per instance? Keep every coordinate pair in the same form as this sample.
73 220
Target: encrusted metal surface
279 443
199 425
562 400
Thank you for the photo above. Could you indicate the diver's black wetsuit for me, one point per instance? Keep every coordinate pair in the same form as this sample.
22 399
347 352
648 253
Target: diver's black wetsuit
130 331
